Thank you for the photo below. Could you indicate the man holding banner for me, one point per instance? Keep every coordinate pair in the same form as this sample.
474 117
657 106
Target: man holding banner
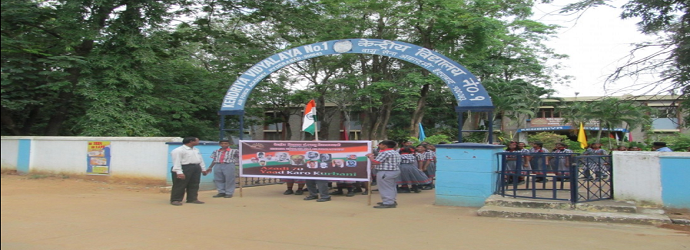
309 126
388 169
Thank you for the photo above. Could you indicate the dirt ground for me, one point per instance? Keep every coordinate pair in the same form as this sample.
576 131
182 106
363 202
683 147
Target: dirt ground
70 213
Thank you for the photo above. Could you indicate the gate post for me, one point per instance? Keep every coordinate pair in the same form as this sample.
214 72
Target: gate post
466 173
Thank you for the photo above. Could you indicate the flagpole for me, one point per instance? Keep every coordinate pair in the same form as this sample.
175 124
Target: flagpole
316 129
316 124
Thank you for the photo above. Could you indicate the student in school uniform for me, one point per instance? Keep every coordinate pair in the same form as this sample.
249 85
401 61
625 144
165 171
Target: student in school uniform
410 175
224 159
387 166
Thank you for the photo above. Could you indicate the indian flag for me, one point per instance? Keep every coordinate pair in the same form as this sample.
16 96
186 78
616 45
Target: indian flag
309 121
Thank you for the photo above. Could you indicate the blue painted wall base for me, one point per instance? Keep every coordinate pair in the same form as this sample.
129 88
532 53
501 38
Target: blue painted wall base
465 173
675 173
24 156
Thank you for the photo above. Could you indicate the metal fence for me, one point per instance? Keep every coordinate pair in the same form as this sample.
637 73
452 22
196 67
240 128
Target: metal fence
255 181
555 176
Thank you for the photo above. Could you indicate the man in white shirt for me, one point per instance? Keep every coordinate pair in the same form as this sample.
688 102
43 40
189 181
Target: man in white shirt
188 165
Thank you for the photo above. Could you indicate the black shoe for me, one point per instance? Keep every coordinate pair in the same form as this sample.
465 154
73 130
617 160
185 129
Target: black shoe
324 199
289 191
336 193
219 195
350 194
311 197
381 203
299 192
365 193
404 190
228 196
386 206
416 190
427 188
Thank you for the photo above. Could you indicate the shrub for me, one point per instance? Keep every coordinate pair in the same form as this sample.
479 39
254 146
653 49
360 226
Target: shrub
677 142
549 139
436 139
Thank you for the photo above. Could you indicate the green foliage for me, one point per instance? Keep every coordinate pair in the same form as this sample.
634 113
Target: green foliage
678 142
607 143
476 137
642 146
549 139
436 139
414 140
398 135
119 68
572 145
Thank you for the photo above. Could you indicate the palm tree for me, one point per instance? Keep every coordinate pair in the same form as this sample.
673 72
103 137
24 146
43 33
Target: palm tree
575 113
512 99
611 112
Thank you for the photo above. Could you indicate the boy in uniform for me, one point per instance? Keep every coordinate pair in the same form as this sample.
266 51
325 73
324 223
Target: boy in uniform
387 166
224 159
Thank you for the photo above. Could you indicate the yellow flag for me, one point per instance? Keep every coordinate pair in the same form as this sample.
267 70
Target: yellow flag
581 137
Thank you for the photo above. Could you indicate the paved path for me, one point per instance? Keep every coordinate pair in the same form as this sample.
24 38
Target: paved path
54 213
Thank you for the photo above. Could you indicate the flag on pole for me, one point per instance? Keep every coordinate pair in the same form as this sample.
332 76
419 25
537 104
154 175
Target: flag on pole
422 136
628 137
309 121
582 137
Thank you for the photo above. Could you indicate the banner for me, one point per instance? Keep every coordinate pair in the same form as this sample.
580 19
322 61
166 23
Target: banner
319 160
98 158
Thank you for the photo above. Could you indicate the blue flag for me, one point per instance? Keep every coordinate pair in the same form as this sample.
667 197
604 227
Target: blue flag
422 136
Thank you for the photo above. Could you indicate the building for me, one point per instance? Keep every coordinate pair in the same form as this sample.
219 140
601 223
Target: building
666 121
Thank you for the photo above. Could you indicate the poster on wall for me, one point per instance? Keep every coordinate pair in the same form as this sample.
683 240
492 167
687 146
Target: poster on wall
322 160
98 158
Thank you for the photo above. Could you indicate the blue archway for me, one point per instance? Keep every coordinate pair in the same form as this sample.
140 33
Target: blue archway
468 91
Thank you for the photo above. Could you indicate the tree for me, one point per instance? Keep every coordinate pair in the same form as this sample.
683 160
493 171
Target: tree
98 59
611 112
670 60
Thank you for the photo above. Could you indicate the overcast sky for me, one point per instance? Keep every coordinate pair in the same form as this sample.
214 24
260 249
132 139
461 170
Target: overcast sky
596 42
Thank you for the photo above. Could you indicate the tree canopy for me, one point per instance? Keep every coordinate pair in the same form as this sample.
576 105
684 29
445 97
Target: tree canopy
161 68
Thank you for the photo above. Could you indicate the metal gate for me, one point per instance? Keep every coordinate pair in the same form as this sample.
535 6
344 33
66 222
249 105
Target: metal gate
555 176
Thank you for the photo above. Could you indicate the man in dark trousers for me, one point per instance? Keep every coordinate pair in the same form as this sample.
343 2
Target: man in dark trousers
318 190
387 166
188 165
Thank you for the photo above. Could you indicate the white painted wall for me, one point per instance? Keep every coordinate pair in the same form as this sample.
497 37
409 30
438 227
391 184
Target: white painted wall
133 157
8 150
637 176
139 158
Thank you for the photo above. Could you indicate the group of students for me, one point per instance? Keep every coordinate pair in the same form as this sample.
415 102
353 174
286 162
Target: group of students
403 169
541 165
595 168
